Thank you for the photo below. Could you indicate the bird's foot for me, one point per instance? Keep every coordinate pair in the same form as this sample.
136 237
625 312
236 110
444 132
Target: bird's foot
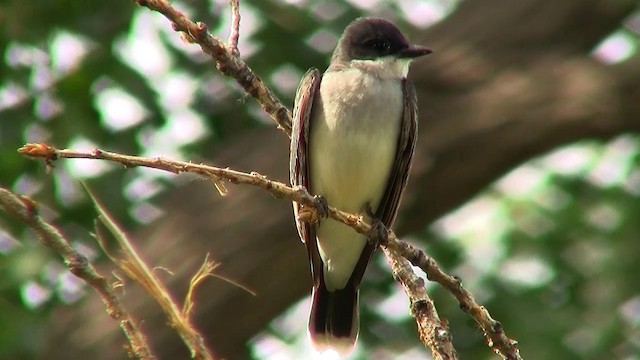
379 233
322 207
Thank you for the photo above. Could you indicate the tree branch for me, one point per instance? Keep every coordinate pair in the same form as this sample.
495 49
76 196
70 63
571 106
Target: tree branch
432 330
25 210
228 63
138 270
234 35
500 342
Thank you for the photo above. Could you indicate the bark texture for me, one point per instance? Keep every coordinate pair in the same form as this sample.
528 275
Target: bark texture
509 80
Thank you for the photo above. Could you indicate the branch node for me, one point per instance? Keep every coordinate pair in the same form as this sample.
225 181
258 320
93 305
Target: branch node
457 281
30 205
418 306
201 29
77 264
443 334
464 307
497 327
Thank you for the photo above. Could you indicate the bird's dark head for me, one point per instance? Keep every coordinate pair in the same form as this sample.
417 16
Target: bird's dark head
372 39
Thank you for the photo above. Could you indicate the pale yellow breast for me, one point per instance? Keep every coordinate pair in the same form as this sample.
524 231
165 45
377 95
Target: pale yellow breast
353 141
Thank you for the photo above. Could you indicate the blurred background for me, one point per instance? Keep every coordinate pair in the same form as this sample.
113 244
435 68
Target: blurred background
526 182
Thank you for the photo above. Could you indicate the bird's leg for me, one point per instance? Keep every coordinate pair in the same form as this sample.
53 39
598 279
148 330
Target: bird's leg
322 207
379 233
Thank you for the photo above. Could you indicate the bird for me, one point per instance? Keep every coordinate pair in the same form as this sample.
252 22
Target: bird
353 137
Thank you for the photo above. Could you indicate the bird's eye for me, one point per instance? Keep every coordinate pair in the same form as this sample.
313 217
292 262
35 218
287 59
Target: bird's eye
378 45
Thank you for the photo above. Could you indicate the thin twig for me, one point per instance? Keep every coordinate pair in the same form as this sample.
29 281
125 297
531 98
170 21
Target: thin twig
26 211
235 27
206 269
494 332
496 336
139 271
277 189
227 63
433 332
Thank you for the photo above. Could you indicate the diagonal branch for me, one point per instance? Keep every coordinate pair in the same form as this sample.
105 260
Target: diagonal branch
26 211
228 63
432 330
135 268
493 329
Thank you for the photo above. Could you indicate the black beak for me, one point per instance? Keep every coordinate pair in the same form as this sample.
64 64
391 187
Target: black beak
414 51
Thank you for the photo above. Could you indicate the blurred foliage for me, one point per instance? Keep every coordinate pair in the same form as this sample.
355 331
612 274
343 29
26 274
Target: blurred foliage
563 286
573 241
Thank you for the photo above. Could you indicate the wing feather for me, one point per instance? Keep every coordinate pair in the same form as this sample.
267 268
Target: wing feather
299 161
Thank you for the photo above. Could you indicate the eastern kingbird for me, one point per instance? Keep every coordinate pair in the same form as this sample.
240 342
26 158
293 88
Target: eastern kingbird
354 133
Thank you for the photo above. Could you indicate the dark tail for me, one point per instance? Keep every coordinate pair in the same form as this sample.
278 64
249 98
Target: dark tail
334 321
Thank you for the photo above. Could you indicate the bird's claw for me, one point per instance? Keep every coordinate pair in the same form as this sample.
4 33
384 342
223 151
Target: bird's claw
379 233
322 207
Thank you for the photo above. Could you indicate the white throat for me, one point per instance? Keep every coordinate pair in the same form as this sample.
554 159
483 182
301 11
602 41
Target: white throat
384 68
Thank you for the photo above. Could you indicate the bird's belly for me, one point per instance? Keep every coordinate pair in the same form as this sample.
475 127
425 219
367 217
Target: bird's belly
351 155
352 172
353 141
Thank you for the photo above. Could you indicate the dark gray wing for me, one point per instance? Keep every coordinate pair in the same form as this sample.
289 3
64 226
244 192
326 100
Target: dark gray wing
390 202
299 159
